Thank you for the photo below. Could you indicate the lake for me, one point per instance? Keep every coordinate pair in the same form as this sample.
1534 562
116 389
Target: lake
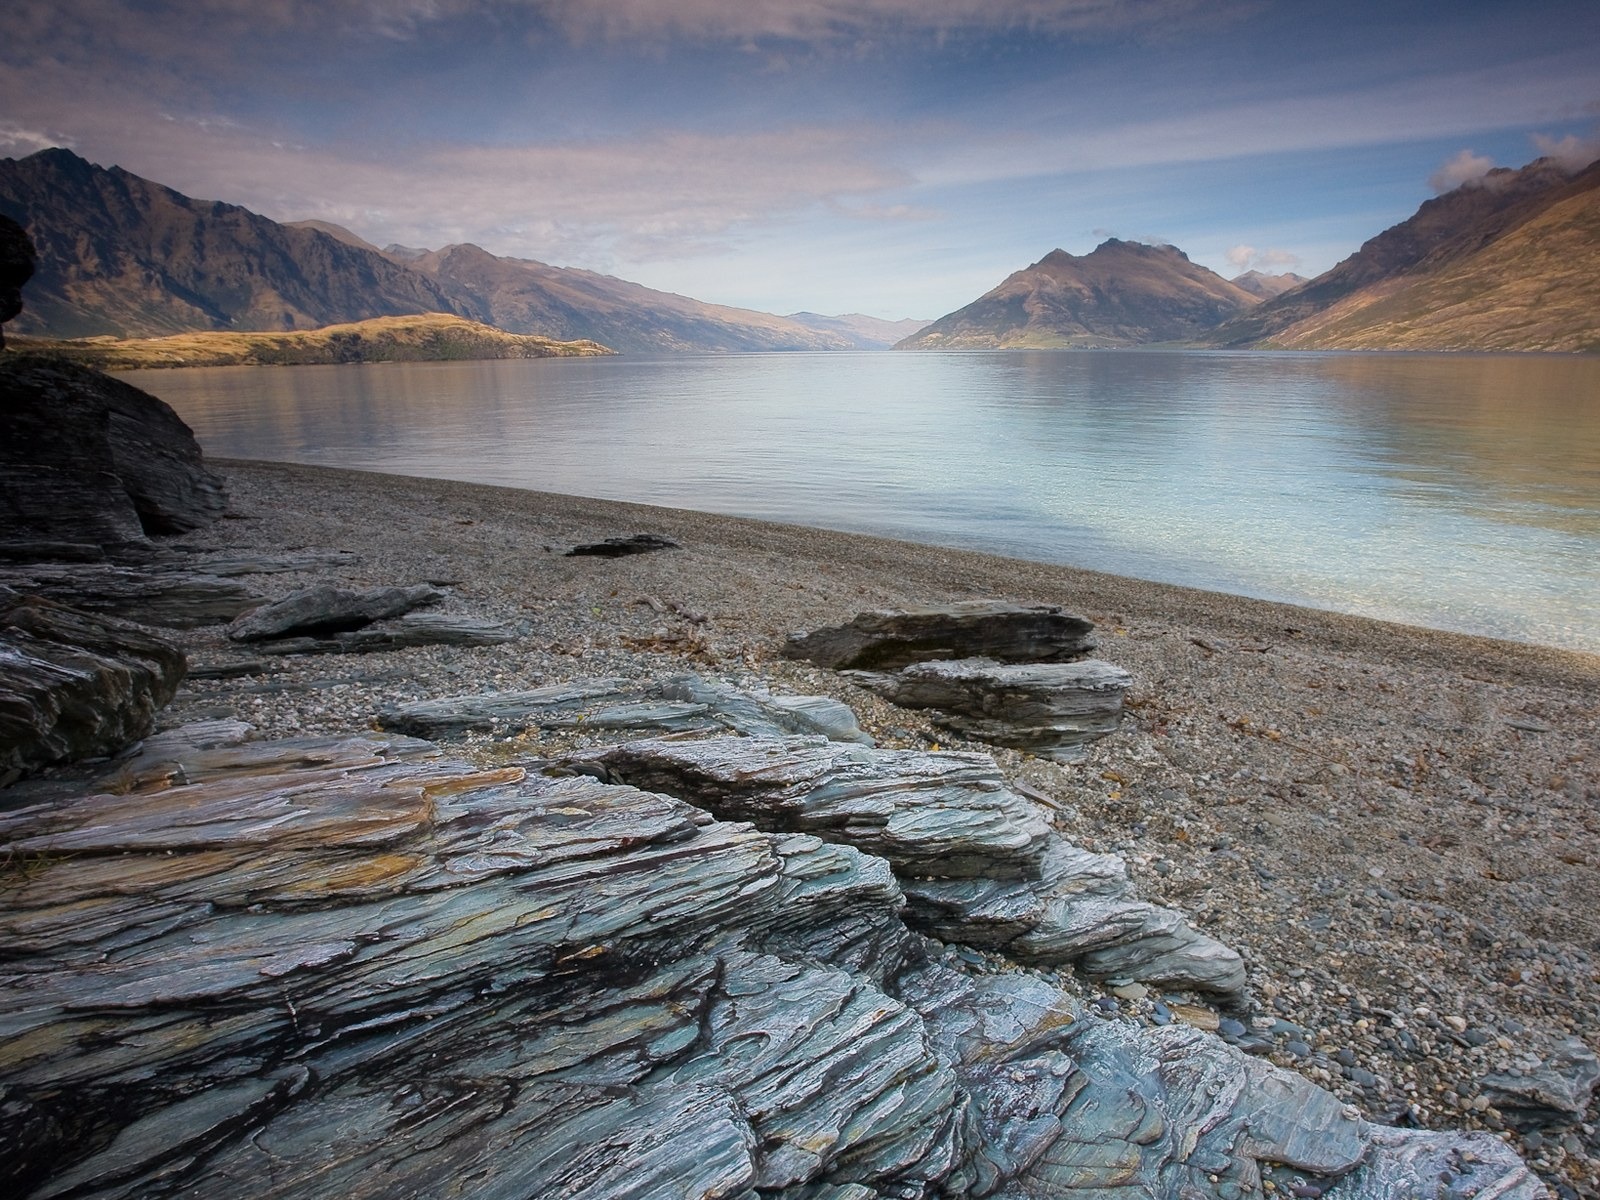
1455 491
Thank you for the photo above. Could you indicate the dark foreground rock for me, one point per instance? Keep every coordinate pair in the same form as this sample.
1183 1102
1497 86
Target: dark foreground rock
164 595
90 463
621 547
881 641
353 967
17 260
411 629
1552 1094
325 609
977 862
75 685
1053 710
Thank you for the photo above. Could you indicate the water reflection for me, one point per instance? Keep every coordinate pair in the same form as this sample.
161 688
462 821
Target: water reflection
1457 491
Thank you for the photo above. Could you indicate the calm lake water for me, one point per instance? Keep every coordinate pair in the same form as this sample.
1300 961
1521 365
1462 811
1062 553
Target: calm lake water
1456 491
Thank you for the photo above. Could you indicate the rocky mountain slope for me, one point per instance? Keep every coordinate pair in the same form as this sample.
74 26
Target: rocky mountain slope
1507 262
122 256
1120 294
525 296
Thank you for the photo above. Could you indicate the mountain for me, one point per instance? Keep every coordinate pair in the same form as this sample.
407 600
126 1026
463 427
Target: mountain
524 296
431 337
1119 294
1268 286
1441 279
864 332
122 256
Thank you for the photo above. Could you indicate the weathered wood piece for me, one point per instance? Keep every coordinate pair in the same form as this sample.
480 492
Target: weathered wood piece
976 861
353 967
882 641
621 547
1053 710
325 609
75 685
676 704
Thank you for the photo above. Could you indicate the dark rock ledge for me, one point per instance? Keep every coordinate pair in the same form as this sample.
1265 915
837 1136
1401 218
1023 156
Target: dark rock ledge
356 967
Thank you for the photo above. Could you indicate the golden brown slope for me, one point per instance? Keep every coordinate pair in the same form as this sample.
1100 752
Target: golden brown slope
429 337
1537 287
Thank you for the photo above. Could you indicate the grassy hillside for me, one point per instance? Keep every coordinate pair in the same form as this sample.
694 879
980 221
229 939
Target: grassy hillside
1535 288
430 337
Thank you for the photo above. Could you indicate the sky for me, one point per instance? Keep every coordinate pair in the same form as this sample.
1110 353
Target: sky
890 157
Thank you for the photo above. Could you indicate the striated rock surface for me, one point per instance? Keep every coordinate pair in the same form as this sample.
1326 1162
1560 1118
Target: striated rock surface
326 609
355 967
88 461
171 597
882 641
976 861
410 629
1552 1093
676 704
1050 709
75 685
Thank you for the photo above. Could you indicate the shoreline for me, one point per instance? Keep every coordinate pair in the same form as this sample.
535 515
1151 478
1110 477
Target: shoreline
1395 826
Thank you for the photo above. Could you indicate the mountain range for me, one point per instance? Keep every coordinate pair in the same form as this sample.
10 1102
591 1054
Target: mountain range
122 256
1509 261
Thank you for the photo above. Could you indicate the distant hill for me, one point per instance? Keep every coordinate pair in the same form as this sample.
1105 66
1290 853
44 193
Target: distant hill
1268 286
864 332
1507 262
1119 294
125 257
432 337
525 296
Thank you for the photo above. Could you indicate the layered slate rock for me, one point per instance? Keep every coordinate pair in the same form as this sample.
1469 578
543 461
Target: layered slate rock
622 547
165 595
410 629
676 704
1050 709
326 609
355 967
886 640
976 861
76 685
88 463
17 260
1551 1094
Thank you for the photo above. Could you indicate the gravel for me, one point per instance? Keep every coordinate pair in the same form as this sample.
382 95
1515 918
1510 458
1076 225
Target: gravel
1395 826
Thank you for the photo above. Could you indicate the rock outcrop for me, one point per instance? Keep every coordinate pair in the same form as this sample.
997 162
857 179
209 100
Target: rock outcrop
17 260
88 463
355 967
1053 710
882 641
621 547
76 685
977 862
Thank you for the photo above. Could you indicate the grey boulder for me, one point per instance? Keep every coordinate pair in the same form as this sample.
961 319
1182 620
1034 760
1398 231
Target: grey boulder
886 640
325 609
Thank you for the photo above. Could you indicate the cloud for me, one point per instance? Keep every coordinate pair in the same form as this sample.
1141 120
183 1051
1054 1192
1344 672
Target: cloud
1271 262
26 141
1571 151
1463 169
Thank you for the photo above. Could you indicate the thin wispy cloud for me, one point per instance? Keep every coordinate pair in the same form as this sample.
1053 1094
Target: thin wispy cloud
1461 169
1270 262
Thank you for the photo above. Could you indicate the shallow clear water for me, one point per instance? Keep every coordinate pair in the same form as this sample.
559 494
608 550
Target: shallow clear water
1457 491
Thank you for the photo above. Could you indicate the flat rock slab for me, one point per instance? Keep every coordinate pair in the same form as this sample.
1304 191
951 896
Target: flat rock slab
76 685
1554 1094
677 704
161 595
1053 710
621 547
356 967
977 862
412 629
881 641
326 609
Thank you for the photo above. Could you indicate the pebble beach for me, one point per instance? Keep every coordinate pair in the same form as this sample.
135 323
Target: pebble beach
1396 827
